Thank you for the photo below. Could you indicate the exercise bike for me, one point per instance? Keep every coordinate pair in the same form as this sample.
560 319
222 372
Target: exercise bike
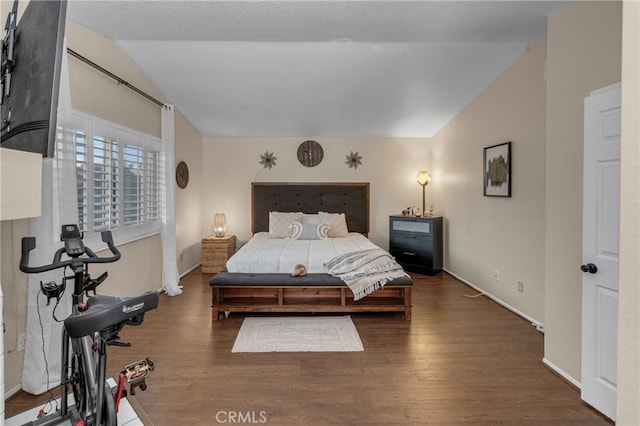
91 326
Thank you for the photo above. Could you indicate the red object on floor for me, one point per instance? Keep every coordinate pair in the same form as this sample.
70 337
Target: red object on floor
121 380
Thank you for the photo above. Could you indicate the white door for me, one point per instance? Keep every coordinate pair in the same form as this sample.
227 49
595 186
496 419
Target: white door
600 248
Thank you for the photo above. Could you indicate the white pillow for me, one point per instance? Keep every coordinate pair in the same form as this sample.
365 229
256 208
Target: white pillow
337 224
280 222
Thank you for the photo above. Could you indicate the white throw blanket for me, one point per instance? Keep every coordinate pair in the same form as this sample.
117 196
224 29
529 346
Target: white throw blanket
365 271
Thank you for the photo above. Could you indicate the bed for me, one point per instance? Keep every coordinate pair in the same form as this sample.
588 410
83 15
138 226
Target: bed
253 290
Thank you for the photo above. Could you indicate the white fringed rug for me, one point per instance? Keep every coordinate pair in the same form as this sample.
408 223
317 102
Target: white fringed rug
298 334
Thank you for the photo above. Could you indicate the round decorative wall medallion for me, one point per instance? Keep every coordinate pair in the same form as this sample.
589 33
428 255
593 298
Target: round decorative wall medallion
310 153
182 175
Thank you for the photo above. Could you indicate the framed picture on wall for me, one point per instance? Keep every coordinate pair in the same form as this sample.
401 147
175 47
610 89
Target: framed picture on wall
497 170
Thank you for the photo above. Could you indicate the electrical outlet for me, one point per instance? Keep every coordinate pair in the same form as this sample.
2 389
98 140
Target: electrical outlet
181 256
22 341
521 286
496 275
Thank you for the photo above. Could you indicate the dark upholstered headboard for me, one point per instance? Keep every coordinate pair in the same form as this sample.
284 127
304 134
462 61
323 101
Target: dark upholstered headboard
349 198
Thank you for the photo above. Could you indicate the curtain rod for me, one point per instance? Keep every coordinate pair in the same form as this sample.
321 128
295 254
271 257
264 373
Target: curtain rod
113 76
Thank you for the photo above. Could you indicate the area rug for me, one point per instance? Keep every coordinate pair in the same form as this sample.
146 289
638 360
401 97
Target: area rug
298 334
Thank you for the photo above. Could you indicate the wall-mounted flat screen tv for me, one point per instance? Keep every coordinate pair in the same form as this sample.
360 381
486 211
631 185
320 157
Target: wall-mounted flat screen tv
30 76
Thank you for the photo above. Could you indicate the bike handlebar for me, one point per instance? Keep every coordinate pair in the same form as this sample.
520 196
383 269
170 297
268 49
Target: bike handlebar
29 243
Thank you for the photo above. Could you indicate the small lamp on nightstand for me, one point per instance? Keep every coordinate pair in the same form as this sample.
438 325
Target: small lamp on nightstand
219 225
423 179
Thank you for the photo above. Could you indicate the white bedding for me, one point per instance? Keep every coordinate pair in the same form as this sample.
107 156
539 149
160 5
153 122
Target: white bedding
279 255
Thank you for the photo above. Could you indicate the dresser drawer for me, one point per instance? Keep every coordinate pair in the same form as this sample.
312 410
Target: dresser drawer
410 226
411 249
406 257
217 249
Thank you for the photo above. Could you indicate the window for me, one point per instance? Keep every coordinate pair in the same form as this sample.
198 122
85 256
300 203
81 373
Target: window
119 179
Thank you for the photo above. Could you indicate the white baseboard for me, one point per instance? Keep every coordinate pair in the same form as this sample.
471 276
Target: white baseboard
190 270
14 390
560 372
537 324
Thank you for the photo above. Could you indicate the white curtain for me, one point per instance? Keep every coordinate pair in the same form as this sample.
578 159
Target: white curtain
59 206
170 276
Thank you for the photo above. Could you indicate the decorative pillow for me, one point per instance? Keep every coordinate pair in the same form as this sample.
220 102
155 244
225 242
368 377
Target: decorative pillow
295 230
310 219
279 223
337 224
308 231
323 231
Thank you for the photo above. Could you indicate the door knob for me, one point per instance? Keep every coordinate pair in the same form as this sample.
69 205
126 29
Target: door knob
590 268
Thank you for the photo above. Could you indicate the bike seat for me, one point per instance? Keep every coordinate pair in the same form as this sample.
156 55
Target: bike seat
103 312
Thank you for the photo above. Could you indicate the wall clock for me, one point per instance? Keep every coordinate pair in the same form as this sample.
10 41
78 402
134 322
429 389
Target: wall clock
310 153
182 175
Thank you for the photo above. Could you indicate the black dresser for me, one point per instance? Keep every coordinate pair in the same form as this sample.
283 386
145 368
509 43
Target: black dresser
416 243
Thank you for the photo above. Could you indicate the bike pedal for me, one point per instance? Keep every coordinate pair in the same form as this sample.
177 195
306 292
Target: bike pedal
136 373
117 343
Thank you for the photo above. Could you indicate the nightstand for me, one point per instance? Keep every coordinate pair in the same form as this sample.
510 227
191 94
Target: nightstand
416 243
216 251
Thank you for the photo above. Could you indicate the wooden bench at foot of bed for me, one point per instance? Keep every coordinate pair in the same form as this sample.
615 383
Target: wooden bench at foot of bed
234 292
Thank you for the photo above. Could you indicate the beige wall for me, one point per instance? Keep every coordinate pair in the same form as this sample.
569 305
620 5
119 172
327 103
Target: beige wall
94 93
628 410
140 266
390 165
188 200
487 234
14 286
584 45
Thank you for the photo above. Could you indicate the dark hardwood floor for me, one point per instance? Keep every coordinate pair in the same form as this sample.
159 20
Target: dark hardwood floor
460 361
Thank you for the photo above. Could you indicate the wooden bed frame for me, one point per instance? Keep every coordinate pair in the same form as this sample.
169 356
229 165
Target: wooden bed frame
258 293
315 299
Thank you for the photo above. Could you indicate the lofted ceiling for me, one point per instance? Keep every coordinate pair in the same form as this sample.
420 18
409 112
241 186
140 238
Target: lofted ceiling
319 68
